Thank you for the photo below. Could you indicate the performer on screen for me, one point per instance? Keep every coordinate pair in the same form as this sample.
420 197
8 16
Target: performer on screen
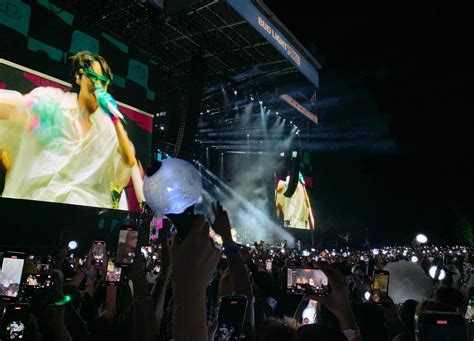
66 147
295 211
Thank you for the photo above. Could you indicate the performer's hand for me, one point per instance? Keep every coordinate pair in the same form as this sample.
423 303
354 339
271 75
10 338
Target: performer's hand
104 99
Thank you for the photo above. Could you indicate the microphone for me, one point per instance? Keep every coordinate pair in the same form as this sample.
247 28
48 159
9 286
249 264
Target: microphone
107 102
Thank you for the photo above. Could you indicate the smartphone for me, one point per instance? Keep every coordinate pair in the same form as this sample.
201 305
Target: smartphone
268 265
305 281
380 281
127 243
307 312
113 273
98 252
12 268
39 281
156 269
441 326
231 317
469 316
15 321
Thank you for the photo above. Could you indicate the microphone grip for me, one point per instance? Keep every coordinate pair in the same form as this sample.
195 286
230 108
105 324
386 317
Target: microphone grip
114 110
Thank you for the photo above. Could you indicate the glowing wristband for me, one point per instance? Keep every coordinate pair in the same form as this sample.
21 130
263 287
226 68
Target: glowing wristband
64 300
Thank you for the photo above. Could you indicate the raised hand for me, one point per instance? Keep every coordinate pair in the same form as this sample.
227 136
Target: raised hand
194 260
338 300
221 223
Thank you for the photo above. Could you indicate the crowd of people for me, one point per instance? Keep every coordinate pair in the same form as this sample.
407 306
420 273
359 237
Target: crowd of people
195 289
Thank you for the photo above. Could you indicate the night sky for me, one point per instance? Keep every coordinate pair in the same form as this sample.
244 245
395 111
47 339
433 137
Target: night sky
408 65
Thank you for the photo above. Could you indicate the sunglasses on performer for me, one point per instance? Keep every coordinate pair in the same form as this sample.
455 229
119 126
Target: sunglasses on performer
95 77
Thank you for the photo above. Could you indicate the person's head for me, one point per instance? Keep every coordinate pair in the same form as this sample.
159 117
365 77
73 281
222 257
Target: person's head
449 296
85 60
89 70
318 332
371 321
278 330
407 314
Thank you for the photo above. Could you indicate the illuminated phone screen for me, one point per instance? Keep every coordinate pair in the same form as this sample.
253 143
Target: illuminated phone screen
12 269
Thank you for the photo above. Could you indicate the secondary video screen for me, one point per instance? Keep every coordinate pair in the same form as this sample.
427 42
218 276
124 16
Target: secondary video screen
294 211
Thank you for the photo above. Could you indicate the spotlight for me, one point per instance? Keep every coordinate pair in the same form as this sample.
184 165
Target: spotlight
247 245
202 113
297 133
208 111
313 250
375 252
72 245
291 122
421 238
260 102
414 259
305 253
248 135
367 295
282 250
235 92
251 97
162 128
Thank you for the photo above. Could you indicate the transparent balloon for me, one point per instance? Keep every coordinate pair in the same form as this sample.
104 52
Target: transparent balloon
176 186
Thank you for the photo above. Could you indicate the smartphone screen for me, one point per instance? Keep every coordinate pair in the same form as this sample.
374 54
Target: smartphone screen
12 269
307 281
441 326
231 317
470 312
309 313
15 321
268 265
98 251
380 284
39 281
127 243
113 273
469 316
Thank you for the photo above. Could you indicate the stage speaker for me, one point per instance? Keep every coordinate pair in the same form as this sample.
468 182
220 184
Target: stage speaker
189 115
294 171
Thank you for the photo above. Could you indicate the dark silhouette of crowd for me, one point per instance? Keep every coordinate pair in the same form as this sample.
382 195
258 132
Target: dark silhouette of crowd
181 289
